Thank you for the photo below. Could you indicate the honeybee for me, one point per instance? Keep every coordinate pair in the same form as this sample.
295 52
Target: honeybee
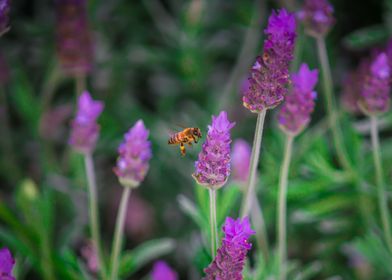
187 136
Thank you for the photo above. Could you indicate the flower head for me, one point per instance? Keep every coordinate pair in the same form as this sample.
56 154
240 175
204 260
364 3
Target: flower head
85 129
73 36
317 16
353 84
7 263
375 97
295 112
162 271
270 73
213 165
4 15
241 159
230 259
134 156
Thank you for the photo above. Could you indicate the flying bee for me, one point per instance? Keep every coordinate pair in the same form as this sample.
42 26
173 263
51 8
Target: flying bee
187 136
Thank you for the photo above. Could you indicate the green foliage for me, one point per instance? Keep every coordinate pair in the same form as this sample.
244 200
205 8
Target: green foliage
179 62
135 259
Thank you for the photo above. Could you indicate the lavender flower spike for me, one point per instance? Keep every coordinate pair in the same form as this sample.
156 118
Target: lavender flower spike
134 156
270 73
4 15
213 165
73 37
317 16
7 263
241 159
295 113
230 259
375 97
162 271
85 129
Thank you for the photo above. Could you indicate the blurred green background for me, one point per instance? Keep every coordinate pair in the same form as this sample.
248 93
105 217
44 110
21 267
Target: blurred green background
175 63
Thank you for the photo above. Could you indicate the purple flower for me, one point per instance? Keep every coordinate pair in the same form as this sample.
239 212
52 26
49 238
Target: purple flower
73 37
4 15
162 271
213 165
374 97
230 259
85 129
294 115
317 16
134 155
270 74
7 263
241 159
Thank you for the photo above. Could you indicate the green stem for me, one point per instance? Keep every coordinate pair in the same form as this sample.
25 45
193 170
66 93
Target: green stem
282 208
382 196
250 188
119 231
213 224
94 213
331 105
48 272
256 215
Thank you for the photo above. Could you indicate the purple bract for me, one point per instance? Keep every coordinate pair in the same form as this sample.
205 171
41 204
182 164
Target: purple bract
375 97
213 165
270 73
294 115
317 16
230 259
7 263
162 271
134 156
73 36
240 160
85 130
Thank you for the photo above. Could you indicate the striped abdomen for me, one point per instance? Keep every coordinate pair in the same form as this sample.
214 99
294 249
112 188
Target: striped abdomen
176 138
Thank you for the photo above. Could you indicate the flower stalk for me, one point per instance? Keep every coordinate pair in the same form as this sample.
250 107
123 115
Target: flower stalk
382 196
93 211
256 215
119 231
331 105
282 208
254 160
213 223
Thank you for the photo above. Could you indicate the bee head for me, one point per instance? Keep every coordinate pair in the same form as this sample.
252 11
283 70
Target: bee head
197 132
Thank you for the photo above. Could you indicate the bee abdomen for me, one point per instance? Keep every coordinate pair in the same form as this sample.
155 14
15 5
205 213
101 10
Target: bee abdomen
173 139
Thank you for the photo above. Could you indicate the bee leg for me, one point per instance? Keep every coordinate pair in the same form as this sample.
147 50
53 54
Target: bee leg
182 149
190 144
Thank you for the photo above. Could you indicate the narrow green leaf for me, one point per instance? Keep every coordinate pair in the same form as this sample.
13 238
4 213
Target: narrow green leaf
189 208
366 37
133 260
